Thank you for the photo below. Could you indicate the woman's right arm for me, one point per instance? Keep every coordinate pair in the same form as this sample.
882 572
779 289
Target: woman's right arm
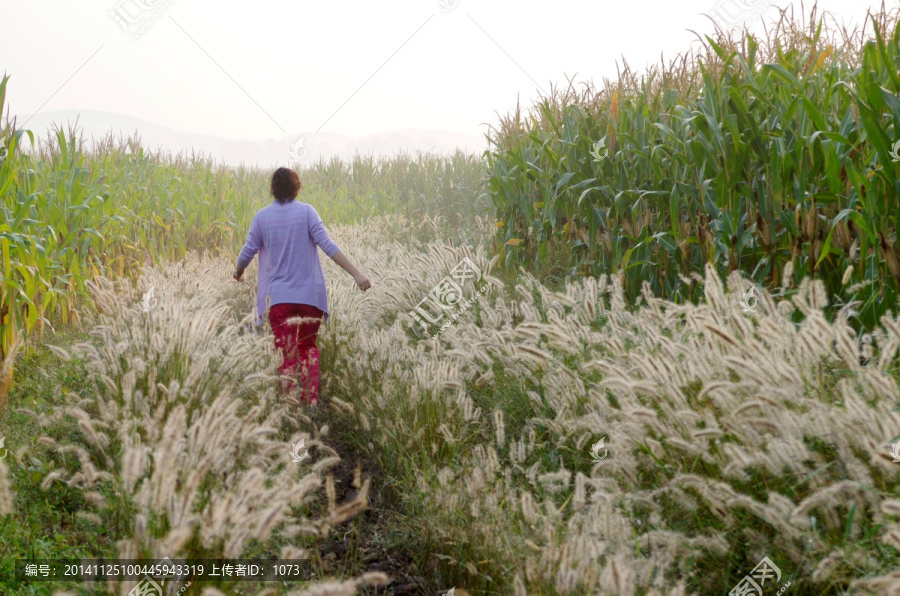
320 236
358 276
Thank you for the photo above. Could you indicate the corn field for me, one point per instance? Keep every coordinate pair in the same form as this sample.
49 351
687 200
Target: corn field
71 214
753 154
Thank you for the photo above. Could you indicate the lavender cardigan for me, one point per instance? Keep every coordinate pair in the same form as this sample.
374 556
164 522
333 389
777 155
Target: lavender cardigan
286 236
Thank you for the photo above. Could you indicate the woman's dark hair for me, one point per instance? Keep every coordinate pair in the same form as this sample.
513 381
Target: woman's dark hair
285 185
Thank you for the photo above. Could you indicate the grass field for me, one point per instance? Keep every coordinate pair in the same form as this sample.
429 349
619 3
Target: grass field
585 422
730 435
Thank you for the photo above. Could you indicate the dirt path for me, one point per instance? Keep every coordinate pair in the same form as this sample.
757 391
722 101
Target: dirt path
368 542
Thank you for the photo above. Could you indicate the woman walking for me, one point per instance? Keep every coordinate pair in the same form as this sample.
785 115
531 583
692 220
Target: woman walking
286 233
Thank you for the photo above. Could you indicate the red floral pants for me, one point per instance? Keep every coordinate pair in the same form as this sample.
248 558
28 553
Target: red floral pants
297 342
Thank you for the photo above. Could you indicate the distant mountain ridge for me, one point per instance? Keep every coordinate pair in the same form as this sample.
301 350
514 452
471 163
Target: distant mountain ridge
297 148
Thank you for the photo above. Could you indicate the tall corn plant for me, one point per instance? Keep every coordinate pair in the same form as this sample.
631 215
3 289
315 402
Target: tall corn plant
744 162
24 262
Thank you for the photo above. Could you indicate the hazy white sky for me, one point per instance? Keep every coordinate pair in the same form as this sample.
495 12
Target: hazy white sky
260 70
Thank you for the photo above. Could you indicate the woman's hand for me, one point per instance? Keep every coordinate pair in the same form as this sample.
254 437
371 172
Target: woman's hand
238 274
358 276
362 281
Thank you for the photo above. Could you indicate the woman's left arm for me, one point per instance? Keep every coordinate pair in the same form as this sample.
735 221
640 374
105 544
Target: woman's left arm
251 247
